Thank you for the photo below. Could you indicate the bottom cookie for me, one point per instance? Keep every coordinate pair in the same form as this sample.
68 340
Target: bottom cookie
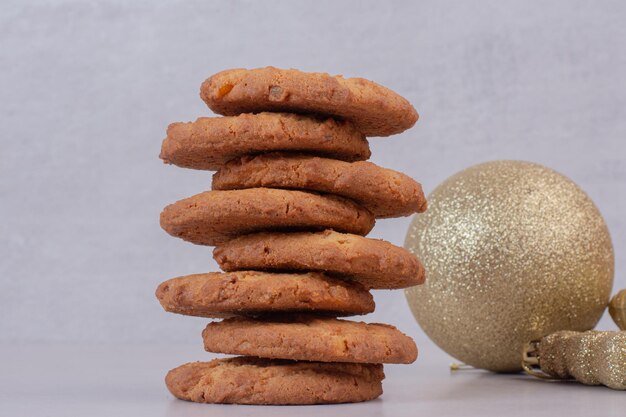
249 380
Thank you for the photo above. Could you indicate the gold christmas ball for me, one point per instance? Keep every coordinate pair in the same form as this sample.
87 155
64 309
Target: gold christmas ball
513 251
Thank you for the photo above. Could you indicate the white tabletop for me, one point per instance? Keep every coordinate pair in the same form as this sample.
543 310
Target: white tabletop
109 381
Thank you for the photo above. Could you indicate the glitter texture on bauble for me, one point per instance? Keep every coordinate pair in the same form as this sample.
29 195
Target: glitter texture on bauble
513 252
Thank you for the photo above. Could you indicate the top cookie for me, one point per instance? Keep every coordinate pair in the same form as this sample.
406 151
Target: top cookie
209 142
374 109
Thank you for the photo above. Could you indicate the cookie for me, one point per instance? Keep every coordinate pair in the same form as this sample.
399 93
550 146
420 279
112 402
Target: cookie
209 142
372 262
384 192
217 294
374 109
310 338
247 380
213 217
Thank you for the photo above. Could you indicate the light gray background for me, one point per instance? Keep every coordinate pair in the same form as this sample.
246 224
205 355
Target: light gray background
88 88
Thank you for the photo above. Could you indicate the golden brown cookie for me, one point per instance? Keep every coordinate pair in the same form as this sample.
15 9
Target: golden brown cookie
213 217
374 109
384 192
310 338
209 142
248 380
217 294
372 262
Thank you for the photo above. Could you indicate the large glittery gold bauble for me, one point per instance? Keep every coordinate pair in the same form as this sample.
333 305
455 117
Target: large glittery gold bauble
513 252
617 309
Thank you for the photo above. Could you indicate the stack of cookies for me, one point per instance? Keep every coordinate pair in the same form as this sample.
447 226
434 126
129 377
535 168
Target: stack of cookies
290 204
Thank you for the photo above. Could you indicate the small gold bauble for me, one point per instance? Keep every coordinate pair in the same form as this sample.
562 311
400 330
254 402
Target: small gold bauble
591 358
513 252
617 309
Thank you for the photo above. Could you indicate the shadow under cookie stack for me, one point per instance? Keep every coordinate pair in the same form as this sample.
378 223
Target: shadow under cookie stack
291 202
